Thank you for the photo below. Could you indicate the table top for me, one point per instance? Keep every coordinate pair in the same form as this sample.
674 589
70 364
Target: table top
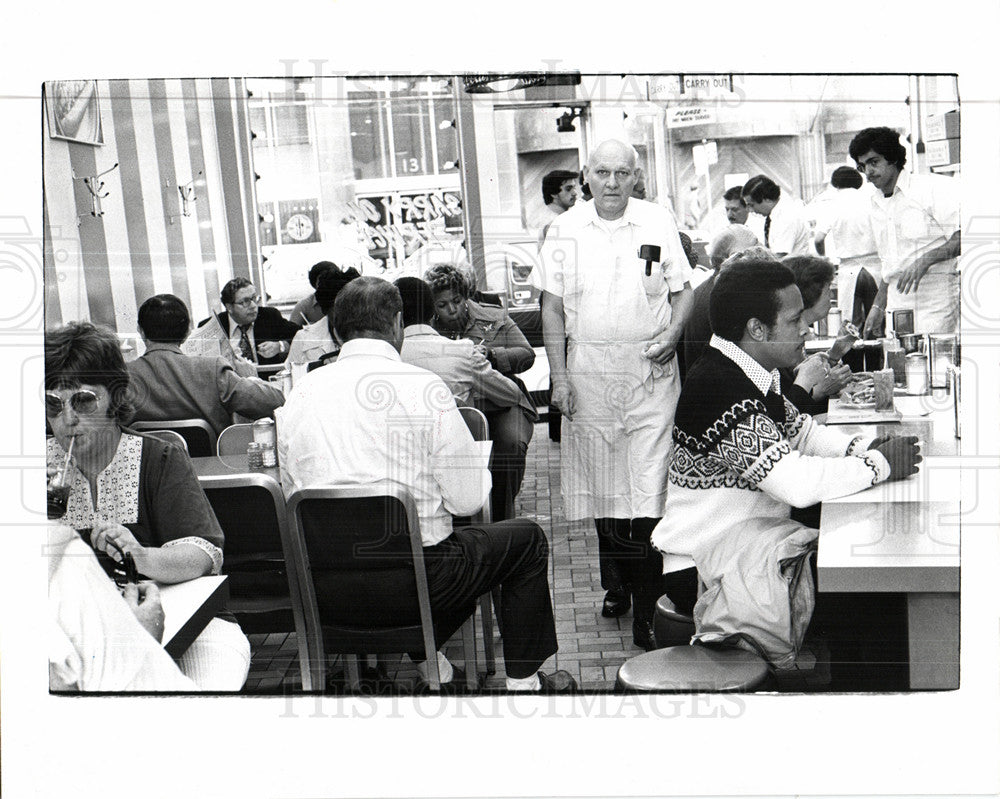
901 536
188 607
230 465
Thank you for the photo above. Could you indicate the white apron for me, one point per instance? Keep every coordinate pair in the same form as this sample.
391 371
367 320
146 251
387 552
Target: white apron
616 450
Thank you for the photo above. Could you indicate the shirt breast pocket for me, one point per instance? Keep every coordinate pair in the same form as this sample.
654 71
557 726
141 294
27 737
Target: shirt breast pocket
655 283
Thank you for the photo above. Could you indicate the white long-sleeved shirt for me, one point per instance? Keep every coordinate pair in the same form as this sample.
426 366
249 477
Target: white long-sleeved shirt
370 417
465 370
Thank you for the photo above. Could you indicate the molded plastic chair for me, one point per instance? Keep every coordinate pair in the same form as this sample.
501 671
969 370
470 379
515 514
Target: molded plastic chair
671 628
198 433
234 439
251 511
693 669
359 561
475 420
170 437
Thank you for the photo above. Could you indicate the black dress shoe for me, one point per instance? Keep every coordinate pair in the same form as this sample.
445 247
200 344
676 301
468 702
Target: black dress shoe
616 603
558 682
642 635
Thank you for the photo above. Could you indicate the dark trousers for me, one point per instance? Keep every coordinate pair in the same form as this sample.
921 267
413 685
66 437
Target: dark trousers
513 554
629 561
510 432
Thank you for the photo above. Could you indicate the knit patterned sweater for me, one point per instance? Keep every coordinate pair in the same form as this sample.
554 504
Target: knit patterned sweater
743 456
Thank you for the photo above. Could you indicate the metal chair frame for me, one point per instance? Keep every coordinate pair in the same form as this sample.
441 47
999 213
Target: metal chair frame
478 425
176 425
209 482
170 436
312 646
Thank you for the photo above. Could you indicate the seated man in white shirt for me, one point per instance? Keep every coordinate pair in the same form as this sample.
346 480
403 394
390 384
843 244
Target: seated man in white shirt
743 456
370 417
316 339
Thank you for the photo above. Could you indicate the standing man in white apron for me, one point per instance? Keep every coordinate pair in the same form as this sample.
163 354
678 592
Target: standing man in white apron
618 385
915 221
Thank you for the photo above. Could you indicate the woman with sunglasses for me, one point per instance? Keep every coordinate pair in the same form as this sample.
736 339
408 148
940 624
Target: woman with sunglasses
131 493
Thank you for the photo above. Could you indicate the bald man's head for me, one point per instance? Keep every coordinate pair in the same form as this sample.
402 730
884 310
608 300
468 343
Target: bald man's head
612 174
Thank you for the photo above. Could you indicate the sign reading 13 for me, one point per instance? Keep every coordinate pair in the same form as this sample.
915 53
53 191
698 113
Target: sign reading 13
408 165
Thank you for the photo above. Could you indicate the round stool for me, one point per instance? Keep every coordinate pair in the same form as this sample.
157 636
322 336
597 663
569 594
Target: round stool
671 628
695 668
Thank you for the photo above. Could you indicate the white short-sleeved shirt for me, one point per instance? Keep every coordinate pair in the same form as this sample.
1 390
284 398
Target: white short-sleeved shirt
311 343
922 211
593 265
846 223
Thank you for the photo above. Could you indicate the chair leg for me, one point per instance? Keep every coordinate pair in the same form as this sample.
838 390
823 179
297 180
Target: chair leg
353 673
496 609
486 617
469 652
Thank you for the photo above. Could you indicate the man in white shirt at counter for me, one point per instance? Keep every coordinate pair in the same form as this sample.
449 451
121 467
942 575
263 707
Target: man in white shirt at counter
369 417
915 221
786 230
743 456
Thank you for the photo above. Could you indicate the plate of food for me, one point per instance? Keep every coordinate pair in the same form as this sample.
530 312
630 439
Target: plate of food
860 392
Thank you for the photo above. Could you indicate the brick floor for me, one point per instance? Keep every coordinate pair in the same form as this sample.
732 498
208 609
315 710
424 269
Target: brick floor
591 647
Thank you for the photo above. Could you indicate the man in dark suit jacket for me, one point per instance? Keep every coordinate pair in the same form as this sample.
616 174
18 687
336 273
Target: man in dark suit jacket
168 385
259 334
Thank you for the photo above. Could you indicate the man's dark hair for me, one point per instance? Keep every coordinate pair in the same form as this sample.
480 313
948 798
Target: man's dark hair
744 291
317 270
734 193
844 177
164 319
418 300
80 353
366 305
330 284
884 141
812 275
229 290
552 183
760 188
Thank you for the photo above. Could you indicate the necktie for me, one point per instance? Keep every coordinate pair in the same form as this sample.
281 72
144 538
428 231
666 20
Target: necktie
767 232
245 349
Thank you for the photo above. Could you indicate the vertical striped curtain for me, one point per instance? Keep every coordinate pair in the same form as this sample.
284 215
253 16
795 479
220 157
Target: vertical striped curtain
161 133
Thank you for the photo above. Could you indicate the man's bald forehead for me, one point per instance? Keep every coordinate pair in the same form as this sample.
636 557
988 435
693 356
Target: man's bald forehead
612 148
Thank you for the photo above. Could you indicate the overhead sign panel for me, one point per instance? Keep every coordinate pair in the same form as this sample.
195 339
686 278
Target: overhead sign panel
690 87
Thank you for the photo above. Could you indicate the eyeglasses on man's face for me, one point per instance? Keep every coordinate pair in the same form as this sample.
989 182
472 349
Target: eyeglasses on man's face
83 402
247 302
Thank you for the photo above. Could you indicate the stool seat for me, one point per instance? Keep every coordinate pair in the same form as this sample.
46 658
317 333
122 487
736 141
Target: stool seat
671 628
695 668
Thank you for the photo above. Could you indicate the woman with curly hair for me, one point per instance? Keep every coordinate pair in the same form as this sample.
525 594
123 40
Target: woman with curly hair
499 338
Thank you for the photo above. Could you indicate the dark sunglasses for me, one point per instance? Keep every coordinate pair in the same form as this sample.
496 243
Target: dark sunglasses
125 571
83 401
